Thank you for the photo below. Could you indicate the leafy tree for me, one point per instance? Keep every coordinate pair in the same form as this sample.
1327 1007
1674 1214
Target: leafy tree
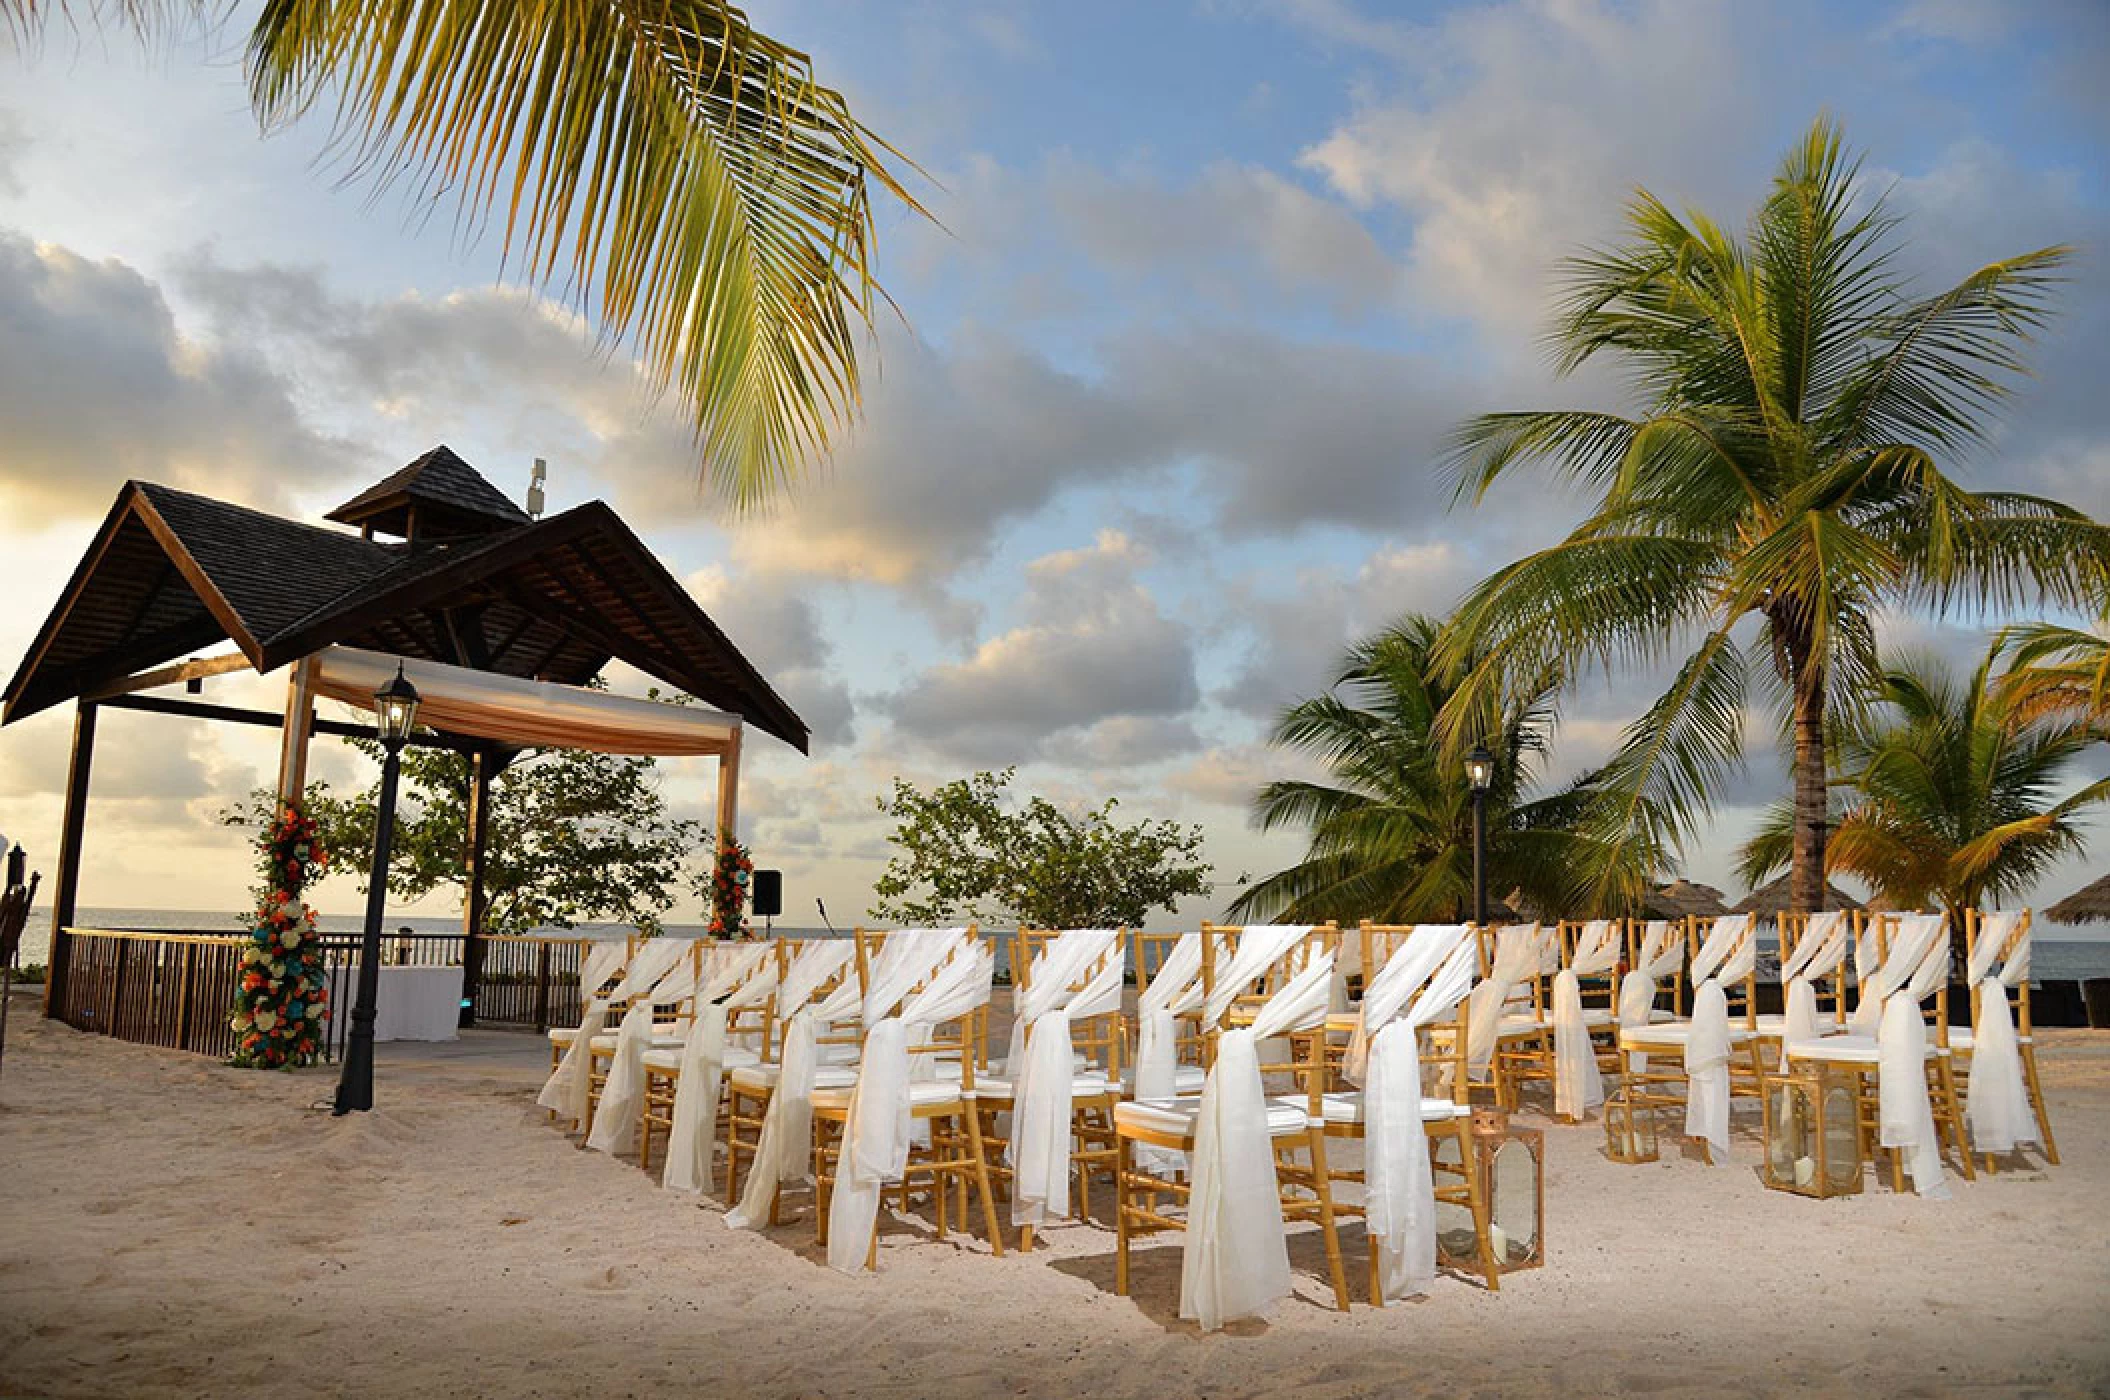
664 166
574 837
1782 481
967 852
1391 829
1951 792
2062 671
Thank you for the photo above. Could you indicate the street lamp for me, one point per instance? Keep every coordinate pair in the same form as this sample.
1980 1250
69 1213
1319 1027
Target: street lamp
1479 773
395 713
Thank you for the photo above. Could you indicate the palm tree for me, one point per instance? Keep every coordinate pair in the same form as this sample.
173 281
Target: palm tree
1952 792
2059 670
1391 832
679 176
1781 481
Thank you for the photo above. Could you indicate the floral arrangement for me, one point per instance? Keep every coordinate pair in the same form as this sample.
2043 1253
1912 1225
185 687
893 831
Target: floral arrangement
280 1006
729 884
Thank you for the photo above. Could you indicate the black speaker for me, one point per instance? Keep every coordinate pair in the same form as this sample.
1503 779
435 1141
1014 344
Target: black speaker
769 893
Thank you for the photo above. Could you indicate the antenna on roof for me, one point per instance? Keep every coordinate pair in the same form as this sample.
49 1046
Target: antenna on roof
534 492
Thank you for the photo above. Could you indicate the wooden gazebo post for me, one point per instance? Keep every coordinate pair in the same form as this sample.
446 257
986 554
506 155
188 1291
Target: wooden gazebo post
481 771
65 888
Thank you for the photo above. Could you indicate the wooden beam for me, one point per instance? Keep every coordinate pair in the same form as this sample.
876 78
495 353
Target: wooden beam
265 719
65 889
300 722
170 675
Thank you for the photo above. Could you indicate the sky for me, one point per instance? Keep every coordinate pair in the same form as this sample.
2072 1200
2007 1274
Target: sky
1154 438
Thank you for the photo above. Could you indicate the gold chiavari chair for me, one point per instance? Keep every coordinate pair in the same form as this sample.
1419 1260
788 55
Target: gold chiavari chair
670 996
561 1037
1147 955
1524 1035
663 1063
2014 948
1143 1196
1652 1056
944 1106
748 1089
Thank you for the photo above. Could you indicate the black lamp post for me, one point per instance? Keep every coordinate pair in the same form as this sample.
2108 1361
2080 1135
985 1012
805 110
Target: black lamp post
1480 773
395 712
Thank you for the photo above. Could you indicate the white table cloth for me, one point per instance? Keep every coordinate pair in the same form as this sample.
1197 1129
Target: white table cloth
412 1003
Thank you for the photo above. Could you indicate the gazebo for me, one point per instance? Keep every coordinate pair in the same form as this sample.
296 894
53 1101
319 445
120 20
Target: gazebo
2090 904
500 618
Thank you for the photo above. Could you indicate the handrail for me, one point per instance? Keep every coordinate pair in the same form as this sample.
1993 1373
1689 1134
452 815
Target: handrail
159 935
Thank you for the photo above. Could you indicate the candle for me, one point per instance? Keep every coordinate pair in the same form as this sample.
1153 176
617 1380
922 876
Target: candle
1805 1170
1499 1239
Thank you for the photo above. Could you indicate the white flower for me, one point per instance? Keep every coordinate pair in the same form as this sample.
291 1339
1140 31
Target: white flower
266 1019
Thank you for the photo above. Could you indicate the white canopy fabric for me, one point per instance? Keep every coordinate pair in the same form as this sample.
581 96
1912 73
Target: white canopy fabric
515 711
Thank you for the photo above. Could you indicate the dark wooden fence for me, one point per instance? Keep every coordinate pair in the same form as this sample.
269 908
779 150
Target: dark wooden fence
176 988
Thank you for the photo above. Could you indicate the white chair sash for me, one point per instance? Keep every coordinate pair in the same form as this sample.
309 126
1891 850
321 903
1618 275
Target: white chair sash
601 962
1997 1098
1061 960
1516 955
1918 961
876 1131
1393 985
615 1117
1729 954
568 1091
784 1148
1260 947
743 979
1399 1190
1660 951
1577 1085
1235 1260
1818 954
1728 939
1175 988
1044 1079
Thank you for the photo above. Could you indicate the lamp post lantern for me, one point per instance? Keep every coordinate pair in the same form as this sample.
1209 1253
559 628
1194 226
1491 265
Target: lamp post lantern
1480 773
395 713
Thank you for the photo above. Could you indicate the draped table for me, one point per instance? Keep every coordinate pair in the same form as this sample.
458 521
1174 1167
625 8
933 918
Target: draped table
412 1003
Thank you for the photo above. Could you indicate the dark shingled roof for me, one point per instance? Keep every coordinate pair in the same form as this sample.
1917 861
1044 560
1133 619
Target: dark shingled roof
171 574
443 489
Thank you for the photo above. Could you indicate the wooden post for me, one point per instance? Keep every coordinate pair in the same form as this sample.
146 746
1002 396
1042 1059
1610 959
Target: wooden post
729 786
474 905
66 886
542 988
300 721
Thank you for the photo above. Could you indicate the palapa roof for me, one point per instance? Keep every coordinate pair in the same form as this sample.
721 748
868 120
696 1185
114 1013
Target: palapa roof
1682 897
2090 904
1772 898
171 573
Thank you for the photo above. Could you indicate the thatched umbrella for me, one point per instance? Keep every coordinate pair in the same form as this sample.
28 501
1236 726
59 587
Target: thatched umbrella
1681 897
2089 904
1772 899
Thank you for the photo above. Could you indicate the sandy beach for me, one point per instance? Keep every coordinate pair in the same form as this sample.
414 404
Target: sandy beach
171 1227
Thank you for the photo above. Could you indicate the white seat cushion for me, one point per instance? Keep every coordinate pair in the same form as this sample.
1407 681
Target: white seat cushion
1846 1050
1186 1079
663 1038
763 1078
1175 1117
1672 1035
999 1086
1963 1040
563 1035
1347 1107
922 1093
668 1058
1521 1024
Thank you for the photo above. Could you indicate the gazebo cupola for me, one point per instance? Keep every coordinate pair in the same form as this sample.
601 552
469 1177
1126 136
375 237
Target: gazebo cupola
437 498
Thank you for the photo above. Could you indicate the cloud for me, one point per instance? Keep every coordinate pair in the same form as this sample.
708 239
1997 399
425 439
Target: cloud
98 383
1094 646
777 628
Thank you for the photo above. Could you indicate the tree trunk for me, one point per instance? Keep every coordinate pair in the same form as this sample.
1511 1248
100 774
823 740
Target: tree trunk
1812 798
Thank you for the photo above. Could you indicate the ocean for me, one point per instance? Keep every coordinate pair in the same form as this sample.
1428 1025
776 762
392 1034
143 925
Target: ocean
2053 959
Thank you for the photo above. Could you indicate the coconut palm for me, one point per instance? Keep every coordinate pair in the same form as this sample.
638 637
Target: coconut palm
1391 828
2059 670
1782 480
1951 792
679 176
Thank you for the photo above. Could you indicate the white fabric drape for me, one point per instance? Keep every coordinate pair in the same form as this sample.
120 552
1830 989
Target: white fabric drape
744 978
1176 988
1043 1079
1728 954
615 1117
1577 1085
1260 947
1060 962
1399 1190
784 1149
568 1093
1235 1262
1516 956
1661 949
1821 949
1917 961
876 1132
1389 988
1997 1098
601 962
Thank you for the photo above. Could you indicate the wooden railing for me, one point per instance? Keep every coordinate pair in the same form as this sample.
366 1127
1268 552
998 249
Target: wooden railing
176 988
170 989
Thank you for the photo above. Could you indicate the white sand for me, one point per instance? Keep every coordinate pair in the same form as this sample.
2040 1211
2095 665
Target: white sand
172 1227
